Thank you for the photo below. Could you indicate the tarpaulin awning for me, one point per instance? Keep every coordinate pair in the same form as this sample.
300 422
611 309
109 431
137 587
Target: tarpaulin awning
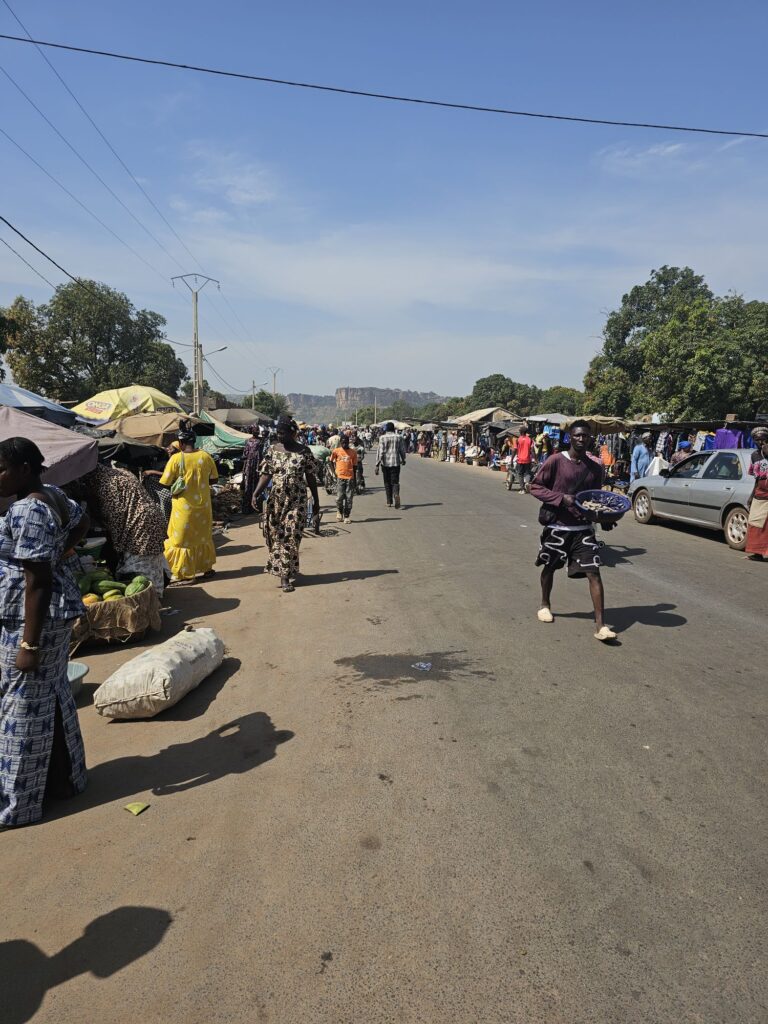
241 418
119 402
158 428
601 424
557 419
67 455
222 438
494 412
27 401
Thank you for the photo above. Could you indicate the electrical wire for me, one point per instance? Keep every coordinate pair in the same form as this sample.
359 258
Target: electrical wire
128 171
367 94
226 384
82 205
104 138
90 167
66 273
33 269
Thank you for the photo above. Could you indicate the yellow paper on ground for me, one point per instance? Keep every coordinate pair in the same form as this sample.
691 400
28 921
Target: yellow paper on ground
137 807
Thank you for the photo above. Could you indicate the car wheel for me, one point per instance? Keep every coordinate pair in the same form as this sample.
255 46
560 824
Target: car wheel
735 528
641 506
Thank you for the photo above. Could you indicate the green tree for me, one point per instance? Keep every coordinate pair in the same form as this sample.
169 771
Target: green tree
87 338
498 390
568 401
614 379
213 399
267 403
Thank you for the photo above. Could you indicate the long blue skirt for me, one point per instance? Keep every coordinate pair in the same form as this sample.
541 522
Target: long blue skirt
27 714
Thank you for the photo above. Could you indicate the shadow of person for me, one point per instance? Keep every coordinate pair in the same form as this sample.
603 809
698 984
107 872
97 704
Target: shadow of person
341 577
643 614
107 945
231 749
613 555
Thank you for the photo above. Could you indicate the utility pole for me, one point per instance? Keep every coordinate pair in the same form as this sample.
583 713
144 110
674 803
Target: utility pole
274 371
375 414
253 396
197 353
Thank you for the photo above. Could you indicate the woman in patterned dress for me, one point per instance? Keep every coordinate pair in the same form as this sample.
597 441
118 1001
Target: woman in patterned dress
189 547
757 530
41 749
289 465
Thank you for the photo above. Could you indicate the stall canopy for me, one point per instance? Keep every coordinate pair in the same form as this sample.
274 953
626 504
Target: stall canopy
14 397
222 437
67 455
601 424
557 419
119 402
158 428
398 424
489 415
241 418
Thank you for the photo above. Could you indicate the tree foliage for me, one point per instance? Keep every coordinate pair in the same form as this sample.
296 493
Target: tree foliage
86 339
675 348
267 403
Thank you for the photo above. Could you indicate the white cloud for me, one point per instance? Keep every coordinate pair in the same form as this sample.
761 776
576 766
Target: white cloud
640 161
239 180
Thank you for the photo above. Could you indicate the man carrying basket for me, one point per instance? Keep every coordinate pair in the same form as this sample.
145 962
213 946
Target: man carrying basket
568 538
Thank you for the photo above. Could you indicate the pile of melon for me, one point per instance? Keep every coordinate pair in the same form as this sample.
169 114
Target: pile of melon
98 586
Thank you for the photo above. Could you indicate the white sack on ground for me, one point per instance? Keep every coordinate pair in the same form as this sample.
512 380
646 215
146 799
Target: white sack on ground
160 677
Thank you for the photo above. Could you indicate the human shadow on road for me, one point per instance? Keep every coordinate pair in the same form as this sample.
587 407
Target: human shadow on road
235 574
108 944
425 504
621 619
230 749
344 577
236 549
383 519
619 555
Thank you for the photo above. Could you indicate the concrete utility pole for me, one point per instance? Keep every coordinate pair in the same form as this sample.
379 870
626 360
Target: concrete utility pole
197 352
253 393
274 370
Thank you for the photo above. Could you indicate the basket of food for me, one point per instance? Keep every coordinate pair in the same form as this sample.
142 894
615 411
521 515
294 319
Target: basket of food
602 506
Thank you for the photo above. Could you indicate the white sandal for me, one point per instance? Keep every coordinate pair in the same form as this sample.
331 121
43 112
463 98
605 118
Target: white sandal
605 633
545 615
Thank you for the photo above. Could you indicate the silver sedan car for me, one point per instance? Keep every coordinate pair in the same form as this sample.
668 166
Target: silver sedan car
710 489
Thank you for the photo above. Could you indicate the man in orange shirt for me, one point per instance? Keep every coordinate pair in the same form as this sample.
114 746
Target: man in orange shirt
344 459
524 460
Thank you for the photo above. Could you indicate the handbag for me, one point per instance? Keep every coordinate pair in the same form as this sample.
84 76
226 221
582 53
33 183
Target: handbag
179 485
548 513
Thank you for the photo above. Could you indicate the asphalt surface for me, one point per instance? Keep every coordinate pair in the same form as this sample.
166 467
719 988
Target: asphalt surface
538 828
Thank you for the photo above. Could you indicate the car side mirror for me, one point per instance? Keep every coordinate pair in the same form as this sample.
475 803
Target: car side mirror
664 472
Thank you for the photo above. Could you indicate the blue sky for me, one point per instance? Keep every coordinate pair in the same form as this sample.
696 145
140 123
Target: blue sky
367 243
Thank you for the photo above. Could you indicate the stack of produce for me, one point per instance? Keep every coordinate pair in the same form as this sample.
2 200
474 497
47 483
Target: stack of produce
98 586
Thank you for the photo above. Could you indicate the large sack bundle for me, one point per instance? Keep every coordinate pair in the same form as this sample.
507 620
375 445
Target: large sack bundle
160 677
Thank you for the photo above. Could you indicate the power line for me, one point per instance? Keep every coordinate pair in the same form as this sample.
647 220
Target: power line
104 138
128 171
81 204
226 384
89 166
33 269
77 280
367 94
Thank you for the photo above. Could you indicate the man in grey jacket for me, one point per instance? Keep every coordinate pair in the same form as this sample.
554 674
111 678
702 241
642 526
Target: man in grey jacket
389 458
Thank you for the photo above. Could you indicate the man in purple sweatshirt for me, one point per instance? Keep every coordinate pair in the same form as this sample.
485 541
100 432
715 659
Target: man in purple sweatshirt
569 539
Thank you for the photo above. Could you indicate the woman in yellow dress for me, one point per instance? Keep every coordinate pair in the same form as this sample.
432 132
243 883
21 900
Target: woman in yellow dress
189 545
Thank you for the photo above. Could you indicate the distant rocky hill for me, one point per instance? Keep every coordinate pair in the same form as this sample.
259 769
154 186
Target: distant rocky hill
325 408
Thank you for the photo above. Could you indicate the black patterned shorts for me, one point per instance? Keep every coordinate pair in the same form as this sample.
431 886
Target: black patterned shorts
579 549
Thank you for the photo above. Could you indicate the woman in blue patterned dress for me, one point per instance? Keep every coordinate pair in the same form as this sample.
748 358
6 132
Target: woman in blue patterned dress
41 749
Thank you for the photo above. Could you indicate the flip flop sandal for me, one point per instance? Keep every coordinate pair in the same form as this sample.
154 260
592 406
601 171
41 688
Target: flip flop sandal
287 588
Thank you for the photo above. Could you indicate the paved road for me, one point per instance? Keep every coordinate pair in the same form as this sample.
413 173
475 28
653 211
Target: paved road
539 828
